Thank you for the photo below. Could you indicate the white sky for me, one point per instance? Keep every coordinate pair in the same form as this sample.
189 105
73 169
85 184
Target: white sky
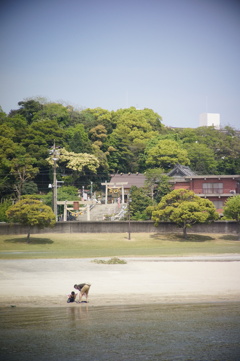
177 57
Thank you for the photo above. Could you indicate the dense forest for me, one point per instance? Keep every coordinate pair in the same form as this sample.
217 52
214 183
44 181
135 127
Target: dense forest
92 144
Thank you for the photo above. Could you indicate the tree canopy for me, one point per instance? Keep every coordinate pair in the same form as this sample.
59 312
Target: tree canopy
139 201
232 210
167 153
31 212
102 142
184 208
158 183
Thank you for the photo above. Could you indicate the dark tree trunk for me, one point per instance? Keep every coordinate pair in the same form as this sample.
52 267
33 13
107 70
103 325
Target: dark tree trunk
28 236
184 232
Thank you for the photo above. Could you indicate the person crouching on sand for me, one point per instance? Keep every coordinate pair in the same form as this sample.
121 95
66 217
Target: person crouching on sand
83 289
72 297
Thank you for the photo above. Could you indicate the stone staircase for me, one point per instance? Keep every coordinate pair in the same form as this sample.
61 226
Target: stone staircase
101 212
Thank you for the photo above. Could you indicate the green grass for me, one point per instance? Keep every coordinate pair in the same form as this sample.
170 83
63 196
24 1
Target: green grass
90 245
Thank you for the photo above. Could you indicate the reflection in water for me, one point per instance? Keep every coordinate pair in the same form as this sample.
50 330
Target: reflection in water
77 314
154 332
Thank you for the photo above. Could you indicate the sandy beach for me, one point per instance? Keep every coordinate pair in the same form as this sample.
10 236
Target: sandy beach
47 282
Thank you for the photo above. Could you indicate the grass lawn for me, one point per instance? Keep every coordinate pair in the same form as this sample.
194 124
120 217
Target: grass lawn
90 245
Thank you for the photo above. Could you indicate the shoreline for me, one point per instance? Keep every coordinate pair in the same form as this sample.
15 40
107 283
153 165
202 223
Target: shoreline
115 302
141 281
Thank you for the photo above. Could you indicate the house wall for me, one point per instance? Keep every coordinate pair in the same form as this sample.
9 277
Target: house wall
218 195
196 185
183 185
228 184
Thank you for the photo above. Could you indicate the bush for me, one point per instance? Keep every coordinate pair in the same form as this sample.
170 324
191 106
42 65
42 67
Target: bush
113 260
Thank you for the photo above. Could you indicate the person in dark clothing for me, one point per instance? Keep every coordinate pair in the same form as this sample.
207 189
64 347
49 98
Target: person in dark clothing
72 297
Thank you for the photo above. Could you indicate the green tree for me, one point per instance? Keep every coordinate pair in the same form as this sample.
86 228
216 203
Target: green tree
75 165
19 127
140 200
31 212
120 157
23 171
202 158
184 208
2 113
187 135
54 111
98 133
224 144
40 137
231 210
133 129
136 116
29 187
91 118
166 154
27 109
44 132
134 126
9 150
64 193
158 183
79 161
77 140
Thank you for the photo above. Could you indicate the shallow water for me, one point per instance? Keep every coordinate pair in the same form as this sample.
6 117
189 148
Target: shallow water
209 332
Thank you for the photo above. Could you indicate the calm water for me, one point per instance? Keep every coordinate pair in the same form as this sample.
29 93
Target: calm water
209 332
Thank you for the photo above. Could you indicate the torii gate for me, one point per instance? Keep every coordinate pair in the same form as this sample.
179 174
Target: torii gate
66 203
108 185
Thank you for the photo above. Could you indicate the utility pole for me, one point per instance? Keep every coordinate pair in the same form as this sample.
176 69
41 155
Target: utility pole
55 181
91 189
129 217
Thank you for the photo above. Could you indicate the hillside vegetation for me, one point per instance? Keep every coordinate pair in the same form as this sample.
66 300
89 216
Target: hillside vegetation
93 143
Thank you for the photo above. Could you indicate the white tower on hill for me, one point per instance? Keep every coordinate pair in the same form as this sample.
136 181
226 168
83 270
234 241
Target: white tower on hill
209 120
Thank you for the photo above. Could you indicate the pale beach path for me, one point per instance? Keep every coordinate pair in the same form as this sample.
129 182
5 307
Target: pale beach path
46 282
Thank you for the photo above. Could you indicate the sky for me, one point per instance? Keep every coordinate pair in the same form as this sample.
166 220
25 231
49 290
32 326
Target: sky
179 58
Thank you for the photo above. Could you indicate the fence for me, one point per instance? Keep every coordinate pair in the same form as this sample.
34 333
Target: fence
222 227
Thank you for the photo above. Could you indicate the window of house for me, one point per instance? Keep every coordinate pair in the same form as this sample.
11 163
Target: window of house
218 204
212 188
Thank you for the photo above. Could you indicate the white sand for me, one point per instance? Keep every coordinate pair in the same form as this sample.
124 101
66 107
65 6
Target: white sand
142 280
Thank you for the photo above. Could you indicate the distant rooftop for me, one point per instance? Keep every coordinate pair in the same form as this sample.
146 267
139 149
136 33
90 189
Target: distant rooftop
181 171
132 179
